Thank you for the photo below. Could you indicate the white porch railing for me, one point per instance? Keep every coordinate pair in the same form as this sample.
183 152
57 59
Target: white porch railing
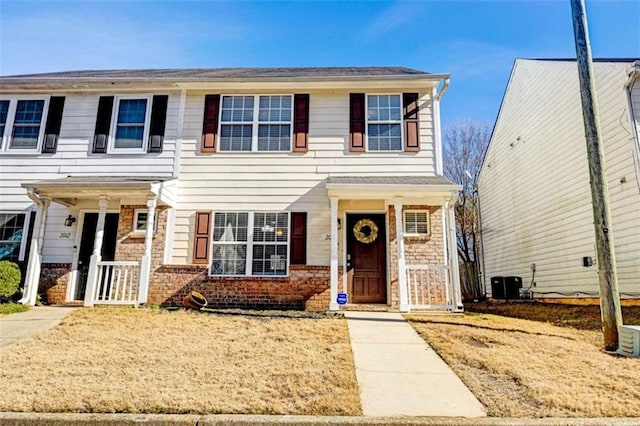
117 283
429 287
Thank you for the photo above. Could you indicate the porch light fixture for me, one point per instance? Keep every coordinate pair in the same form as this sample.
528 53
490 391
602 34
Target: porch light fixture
339 224
69 221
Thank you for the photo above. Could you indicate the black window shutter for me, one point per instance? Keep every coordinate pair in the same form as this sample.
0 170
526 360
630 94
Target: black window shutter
52 128
158 121
298 253
103 124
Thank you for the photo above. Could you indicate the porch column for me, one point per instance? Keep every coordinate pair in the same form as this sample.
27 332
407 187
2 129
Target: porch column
32 278
402 265
333 304
96 256
452 252
145 265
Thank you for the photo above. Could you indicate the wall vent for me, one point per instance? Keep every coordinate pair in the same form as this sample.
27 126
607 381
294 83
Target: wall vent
629 340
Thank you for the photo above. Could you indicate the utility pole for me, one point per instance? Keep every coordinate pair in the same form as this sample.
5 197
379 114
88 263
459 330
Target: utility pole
609 293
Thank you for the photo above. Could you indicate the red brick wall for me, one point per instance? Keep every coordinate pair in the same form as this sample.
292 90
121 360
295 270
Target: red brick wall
306 287
427 250
130 245
54 279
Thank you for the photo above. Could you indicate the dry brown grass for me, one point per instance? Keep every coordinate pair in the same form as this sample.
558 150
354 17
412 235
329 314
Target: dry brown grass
583 317
144 361
520 368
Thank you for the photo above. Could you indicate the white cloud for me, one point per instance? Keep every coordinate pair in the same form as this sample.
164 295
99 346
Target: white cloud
395 16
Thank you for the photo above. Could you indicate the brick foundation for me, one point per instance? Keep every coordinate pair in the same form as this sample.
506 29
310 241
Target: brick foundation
306 287
54 279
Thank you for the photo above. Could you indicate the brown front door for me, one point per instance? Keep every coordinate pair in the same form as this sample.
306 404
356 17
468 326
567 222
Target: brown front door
366 258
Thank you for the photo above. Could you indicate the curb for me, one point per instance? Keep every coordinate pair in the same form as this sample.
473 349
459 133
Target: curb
54 419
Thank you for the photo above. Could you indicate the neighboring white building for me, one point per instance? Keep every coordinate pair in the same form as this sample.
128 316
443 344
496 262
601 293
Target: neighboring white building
535 199
258 185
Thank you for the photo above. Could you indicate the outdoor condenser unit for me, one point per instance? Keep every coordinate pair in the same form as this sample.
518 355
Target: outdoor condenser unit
629 340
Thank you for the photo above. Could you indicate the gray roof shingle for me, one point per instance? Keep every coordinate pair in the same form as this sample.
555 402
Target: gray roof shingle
200 74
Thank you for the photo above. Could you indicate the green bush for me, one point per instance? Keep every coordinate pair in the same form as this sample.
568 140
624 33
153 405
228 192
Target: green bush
9 279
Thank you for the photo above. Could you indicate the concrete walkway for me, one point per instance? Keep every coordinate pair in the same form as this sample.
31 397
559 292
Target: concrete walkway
15 327
400 375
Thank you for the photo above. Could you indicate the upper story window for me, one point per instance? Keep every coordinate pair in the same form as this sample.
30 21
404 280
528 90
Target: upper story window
22 124
131 124
384 123
255 123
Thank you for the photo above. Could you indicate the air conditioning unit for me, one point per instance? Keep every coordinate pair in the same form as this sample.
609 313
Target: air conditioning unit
629 340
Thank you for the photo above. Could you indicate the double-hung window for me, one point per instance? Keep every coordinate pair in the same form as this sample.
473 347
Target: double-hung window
256 123
22 124
250 243
131 124
384 122
12 235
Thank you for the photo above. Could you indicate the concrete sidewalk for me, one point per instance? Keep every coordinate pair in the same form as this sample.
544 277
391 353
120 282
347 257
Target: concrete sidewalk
400 375
16 327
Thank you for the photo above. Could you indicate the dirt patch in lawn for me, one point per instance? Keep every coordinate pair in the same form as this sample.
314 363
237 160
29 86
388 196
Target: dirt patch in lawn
146 361
520 368
583 317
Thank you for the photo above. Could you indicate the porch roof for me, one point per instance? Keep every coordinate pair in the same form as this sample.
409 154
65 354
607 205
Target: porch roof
69 189
388 187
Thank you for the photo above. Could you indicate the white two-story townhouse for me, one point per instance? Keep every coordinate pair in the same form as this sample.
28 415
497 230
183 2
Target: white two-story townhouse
270 188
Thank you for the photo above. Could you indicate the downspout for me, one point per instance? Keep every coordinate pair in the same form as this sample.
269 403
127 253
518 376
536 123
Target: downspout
438 127
32 278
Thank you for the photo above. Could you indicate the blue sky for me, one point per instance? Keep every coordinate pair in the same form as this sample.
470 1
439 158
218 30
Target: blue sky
475 41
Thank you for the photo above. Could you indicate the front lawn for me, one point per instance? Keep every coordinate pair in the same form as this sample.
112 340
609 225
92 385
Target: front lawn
520 368
154 361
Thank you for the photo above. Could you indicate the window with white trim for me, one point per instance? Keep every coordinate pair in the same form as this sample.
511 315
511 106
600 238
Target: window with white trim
22 124
131 123
416 223
243 127
12 235
140 218
384 123
250 243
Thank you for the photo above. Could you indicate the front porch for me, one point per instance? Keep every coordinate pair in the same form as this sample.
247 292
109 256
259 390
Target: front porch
113 222
417 229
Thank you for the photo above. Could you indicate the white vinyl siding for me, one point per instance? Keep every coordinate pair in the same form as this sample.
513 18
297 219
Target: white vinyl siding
284 181
534 188
73 158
